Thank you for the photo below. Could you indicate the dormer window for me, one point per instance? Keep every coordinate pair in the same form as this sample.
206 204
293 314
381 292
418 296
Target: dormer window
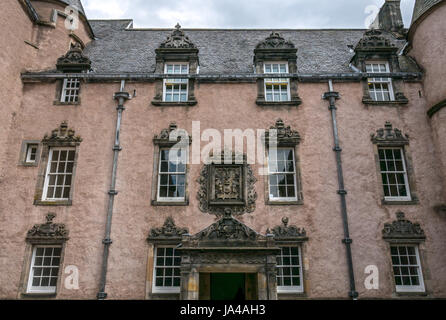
176 89
276 89
380 89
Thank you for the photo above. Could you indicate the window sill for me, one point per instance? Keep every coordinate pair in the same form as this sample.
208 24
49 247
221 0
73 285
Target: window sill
59 103
290 103
38 295
174 104
284 203
411 294
291 295
53 203
384 103
400 203
170 203
28 165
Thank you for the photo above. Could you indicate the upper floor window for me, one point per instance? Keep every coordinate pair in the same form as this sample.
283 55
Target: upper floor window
282 175
276 89
380 89
394 173
59 174
289 270
407 268
167 276
44 270
31 153
172 175
176 90
70 90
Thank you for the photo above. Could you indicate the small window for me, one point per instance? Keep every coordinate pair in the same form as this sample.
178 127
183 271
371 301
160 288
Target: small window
380 89
31 153
59 174
176 90
70 90
407 268
172 175
167 277
289 270
44 269
276 89
394 174
282 175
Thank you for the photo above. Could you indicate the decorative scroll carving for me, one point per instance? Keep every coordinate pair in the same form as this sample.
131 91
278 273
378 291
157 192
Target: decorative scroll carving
374 40
74 60
168 231
285 232
48 231
227 228
62 135
403 229
285 136
172 136
388 135
275 41
177 40
227 186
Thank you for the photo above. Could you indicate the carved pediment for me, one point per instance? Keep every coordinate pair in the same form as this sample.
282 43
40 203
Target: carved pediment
62 135
73 60
48 231
284 134
389 135
227 228
172 135
168 231
285 232
275 41
177 40
403 229
374 40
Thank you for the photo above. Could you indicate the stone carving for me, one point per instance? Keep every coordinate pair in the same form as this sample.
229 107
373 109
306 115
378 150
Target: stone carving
227 228
62 135
227 186
172 135
168 231
389 135
285 232
374 40
403 229
48 230
73 60
177 40
275 41
228 258
285 136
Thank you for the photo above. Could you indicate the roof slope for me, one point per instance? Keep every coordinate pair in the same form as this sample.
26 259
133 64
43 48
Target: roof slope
421 6
76 4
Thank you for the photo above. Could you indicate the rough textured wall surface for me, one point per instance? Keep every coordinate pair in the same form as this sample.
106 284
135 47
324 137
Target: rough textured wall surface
134 216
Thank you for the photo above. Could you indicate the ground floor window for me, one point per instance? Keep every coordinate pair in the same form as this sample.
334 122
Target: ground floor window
407 268
289 270
167 276
44 270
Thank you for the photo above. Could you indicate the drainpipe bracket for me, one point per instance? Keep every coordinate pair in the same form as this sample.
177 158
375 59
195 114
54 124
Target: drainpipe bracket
353 294
342 192
117 148
347 241
107 241
113 192
121 95
331 94
337 149
101 296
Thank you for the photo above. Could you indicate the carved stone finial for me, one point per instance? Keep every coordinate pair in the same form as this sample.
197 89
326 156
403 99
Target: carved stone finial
284 134
74 60
63 134
227 228
177 40
178 26
403 229
47 231
275 41
388 135
168 231
285 232
172 135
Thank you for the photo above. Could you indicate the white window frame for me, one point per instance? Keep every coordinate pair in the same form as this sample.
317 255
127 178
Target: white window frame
47 174
276 81
29 147
176 81
170 199
410 288
156 289
406 176
387 81
64 95
282 199
48 289
293 289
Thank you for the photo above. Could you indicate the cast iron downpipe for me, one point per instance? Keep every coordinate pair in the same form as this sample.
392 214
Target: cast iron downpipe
121 97
331 96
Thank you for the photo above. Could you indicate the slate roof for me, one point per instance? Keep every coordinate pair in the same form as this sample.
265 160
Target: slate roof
76 4
421 6
221 51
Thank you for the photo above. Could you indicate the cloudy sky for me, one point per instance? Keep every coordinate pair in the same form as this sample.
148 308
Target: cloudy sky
242 13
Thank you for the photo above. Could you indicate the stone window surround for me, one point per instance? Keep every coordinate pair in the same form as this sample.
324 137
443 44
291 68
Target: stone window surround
160 143
163 290
59 87
24 150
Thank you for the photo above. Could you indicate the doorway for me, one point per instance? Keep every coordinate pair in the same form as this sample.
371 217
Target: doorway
228 286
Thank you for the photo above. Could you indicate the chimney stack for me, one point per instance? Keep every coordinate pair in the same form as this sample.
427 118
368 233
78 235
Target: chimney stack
389 17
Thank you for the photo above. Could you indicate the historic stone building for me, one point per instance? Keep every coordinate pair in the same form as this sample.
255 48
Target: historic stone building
102 124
